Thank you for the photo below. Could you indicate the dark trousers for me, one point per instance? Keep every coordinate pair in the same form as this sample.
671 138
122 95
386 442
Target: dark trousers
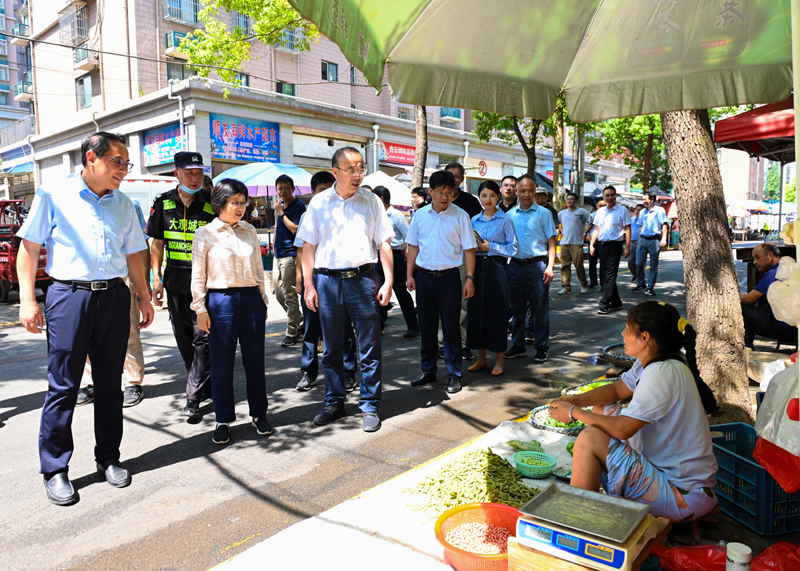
593 267
83 323
341 299
758 321
237 314
192 344
440 298
610 253
400 292
312 334
526 286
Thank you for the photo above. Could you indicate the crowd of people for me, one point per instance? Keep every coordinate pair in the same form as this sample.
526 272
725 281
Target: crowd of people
472 261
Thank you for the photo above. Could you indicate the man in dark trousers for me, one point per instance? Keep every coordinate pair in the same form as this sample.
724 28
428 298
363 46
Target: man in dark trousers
611 238
175 217
93 242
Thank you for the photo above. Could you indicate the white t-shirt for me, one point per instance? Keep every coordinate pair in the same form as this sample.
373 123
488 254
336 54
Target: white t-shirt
573 224
677 438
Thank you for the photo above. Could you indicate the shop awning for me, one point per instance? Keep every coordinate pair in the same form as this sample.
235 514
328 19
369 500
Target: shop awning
22 167
767 132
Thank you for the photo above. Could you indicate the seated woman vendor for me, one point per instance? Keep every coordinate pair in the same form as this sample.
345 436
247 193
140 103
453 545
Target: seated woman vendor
658 449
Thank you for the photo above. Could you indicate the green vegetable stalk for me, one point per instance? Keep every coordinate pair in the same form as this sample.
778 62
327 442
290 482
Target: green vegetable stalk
520 446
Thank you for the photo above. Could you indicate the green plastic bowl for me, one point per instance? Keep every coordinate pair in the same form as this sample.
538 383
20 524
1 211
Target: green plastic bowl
534 471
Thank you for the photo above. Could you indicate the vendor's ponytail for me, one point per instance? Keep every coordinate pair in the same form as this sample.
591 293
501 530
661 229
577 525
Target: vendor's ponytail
706 394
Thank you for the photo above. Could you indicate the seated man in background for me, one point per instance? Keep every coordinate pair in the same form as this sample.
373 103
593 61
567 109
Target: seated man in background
757 314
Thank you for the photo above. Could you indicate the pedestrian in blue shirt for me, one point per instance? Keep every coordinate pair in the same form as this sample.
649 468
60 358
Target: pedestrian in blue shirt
636 221
487 310
439 240
288 211
531 270
653 229
93 241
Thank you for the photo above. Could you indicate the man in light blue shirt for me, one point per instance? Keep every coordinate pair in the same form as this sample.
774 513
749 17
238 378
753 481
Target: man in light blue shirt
531 270
652 237
94 240
439 238
631 259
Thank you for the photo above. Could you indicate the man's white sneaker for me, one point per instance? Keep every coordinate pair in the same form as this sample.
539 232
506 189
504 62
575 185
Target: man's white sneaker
584 290
564 291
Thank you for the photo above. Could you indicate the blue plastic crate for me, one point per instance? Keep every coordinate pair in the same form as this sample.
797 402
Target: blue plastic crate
746 491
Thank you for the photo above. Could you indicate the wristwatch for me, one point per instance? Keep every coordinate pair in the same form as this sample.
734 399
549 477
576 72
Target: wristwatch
471 277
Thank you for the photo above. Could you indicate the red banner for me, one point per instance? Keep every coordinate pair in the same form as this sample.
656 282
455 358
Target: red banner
398 154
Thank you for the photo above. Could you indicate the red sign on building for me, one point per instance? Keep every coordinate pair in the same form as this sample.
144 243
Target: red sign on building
398 154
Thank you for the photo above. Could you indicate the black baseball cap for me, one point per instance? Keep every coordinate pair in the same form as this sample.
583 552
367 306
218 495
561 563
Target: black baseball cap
188 160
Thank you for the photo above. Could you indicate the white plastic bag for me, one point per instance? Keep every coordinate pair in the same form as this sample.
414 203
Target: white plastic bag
773 422
784 295
770 371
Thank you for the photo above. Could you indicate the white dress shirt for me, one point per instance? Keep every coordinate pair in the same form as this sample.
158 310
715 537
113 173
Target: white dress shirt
611 223
400 227
442 237
346 232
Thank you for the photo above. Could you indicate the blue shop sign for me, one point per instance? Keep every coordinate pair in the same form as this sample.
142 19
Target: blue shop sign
161 144
244 139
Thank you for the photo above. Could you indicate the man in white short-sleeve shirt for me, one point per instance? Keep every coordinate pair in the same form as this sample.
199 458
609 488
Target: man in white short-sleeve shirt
343 230
611 237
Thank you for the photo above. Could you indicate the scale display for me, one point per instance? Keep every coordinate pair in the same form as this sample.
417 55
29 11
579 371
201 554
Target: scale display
598 555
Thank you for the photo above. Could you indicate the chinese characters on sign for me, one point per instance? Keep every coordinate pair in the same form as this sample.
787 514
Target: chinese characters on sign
398 154
160 145
244 139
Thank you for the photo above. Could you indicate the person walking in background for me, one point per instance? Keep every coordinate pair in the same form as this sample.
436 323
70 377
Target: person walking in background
440 240
93 241
487 325
611 238
541 197
531 270
593 283
508 190
175 217
312 334
419 198
230 300
463 199
398 244
341 282
652 237
288 211
574 223
636 222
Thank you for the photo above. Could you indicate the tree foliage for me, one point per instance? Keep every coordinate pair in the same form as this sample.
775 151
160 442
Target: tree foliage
790 192
773 185
224 45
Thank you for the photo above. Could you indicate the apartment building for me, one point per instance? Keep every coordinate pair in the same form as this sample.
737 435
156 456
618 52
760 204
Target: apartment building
743 177
290 106
14 68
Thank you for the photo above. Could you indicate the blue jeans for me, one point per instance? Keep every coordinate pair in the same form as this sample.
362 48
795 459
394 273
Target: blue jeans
645 247
312 333
526 285
356 299
440 298
237 314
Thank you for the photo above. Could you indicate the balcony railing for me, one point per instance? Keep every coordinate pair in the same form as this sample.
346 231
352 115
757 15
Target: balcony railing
23 91
23 30
17 131
86 57
182 11
174 38
450 113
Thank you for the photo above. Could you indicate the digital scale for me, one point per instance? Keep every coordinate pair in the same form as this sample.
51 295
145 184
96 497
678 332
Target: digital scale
587 528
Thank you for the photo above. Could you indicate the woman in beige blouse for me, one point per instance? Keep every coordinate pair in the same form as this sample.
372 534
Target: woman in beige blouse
231 304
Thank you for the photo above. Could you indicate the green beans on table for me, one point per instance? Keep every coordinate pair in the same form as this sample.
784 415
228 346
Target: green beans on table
532 461
474 477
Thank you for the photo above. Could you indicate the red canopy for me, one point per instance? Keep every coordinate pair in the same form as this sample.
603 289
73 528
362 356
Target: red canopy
764 132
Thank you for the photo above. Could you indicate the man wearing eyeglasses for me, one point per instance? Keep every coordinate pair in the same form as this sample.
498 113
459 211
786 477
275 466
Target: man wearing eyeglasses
93 242
344 230
175 217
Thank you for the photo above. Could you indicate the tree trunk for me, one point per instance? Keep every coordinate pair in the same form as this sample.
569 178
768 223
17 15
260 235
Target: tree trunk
581 165
529 148
421 153
648 161
712 286
558 158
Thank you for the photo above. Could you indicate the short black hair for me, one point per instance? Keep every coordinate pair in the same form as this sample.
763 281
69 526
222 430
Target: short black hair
284 179
207 180
511 176
458 166
771 248
529 177
341 151
491 185
383 193
652 196
321 177
100 142
609 187
572 194
225 189
442 178
419 191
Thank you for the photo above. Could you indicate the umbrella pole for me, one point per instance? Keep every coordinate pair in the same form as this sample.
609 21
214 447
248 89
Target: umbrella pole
796 81
780 197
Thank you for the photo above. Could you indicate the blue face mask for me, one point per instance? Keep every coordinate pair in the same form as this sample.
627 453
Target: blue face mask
188 190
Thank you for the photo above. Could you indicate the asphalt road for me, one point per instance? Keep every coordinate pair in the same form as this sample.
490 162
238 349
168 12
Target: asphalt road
194 504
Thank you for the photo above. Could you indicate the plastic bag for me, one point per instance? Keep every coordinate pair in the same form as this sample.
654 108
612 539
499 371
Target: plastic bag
777 420
784 295
780 464
770 371
783 556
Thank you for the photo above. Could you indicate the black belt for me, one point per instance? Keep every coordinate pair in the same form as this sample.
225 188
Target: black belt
99 285
438 274
653 237
346 274
524 261
496 258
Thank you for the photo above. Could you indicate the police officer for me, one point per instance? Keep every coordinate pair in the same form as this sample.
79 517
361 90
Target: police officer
175 217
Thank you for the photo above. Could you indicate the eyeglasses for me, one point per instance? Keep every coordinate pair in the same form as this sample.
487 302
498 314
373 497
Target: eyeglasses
354 172
120 163
237 204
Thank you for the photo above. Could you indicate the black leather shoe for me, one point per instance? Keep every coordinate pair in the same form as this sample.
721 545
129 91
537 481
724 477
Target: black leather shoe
288 341
85 395
424 379
453 385
59 490
115 474
411 333
330 413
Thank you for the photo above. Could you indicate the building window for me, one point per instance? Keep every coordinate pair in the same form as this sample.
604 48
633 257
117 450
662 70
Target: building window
3 97
330 71
4 73
352 75
406 113
83 86
181 11
177 69
3 47
290 41
2 22
242 80
73 22
285 88
242 21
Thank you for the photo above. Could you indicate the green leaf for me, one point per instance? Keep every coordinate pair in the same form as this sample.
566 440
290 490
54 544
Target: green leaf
520 446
